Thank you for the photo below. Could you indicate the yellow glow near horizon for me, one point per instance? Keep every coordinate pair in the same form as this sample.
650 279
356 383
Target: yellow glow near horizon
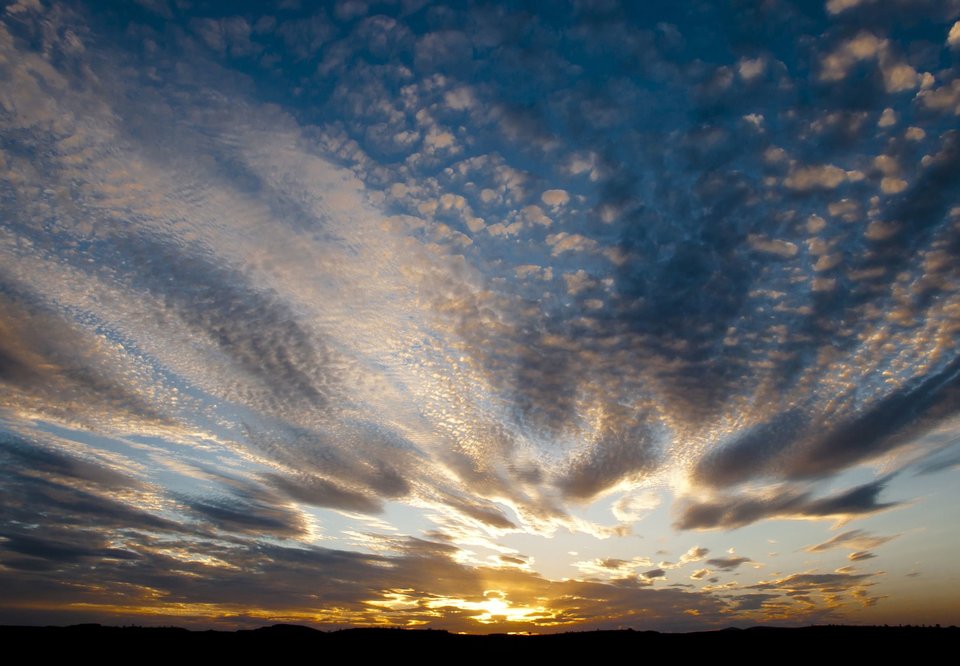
495 608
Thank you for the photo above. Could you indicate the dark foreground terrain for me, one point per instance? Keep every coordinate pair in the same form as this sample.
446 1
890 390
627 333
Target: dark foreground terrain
758 644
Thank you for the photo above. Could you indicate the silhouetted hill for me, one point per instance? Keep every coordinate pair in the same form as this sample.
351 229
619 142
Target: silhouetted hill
751 645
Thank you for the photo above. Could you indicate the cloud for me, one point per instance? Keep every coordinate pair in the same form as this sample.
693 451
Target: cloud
827 176
245 281
742 510
51 367
898 76
622 452
634 506
565 242
780 248
695 554
555 197
853 539
321 492
944 98
751 68
860 555
728 563
22 6
839 6
863 46
815 582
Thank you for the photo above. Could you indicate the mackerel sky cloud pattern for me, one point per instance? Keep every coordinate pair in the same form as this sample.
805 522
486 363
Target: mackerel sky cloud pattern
479 316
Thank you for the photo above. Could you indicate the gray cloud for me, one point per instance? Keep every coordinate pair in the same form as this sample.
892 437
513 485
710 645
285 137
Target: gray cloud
853 539
860 555
738 511
728 563
49 365
815 582
254 513
320 492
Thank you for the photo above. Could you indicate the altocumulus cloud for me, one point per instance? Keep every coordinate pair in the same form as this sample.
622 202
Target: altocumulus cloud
358 293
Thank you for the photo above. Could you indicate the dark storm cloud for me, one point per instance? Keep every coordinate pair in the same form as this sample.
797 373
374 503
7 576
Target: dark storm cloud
738 511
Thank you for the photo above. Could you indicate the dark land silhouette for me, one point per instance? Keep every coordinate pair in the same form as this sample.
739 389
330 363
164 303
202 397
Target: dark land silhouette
751 645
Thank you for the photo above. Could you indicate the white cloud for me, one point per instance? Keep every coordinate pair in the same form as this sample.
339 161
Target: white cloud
915 134
459 99
565 242
838 6
438 139
533 271
898 76
825 176
780 248
347 10
774 154
865 45
953 37
881 230
535 215
944 98
892 185
501 229
22 6
751 69
887 118
555 197
694 554
815 224
635 505
583 162
578 282
454 201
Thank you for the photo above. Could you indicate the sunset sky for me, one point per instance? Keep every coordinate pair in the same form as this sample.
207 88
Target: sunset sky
482 316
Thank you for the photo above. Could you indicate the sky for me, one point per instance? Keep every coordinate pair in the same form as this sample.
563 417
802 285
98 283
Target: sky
480 316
